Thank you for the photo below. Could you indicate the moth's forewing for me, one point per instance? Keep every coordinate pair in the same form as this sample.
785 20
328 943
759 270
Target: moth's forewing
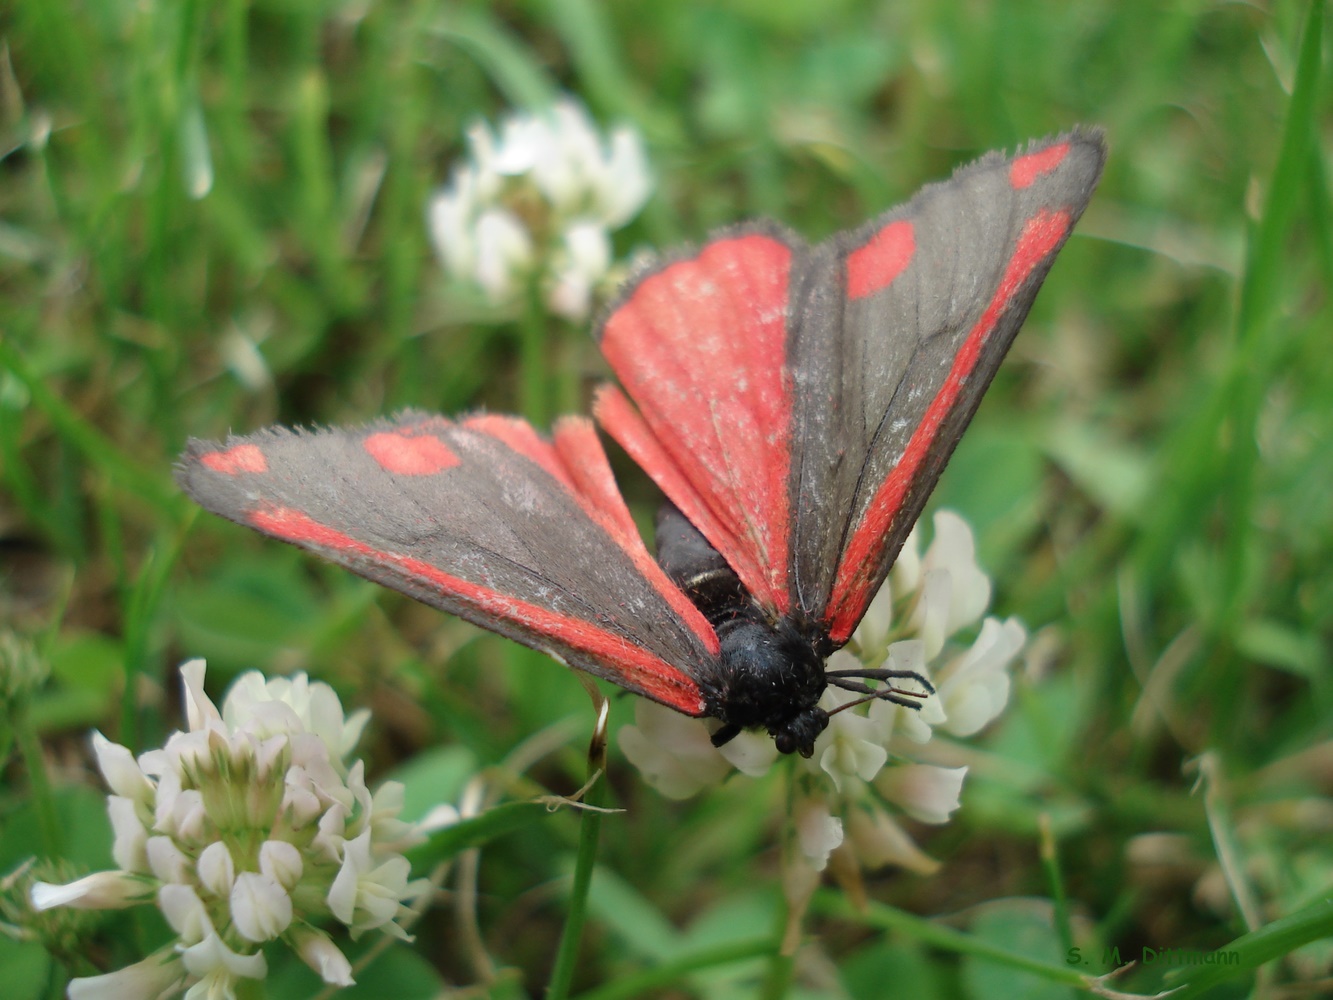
482 518
897 329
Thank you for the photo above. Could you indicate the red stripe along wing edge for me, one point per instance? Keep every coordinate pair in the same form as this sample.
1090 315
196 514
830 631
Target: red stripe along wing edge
934 294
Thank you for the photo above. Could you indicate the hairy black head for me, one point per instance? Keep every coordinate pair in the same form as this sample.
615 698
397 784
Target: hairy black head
771 677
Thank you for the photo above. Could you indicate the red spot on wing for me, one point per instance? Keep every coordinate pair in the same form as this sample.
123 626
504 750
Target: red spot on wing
242 458
1040 237
640 668
715 433
410 454
876 264
1025 170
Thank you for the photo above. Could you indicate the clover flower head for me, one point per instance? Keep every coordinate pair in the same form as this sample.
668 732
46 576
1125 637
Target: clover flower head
251 826
536 202
863 770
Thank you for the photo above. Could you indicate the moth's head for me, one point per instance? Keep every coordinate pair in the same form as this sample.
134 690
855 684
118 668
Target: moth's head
798 733
773 678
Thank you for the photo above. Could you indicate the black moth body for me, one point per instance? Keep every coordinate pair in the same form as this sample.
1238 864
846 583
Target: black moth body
771 672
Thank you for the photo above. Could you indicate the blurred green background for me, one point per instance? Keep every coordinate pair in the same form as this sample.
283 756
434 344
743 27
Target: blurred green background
212 219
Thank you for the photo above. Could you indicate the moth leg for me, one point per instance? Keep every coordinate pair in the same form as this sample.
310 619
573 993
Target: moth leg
726 734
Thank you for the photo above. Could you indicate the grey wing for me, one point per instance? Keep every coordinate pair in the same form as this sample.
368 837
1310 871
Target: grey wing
895 331
482 518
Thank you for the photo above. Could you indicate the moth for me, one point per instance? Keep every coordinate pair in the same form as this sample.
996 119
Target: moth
796 405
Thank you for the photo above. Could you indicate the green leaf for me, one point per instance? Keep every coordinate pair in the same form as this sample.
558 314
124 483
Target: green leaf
1020 928
434 776
1276 644
1241 957
502 55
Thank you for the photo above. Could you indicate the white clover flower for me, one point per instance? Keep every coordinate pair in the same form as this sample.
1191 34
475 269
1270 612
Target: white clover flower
675 754
319 952
537 201
818 832
260 905
98 891
750 753
862 770
875 839
584 255
974 687
925 792
954 590
368 890
672 751
249 827
505 254
314 706
152 977
852 746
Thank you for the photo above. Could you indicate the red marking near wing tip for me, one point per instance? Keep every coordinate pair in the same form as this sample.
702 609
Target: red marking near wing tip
874 266
410 455
1040 237
1025 170
644 669
242 458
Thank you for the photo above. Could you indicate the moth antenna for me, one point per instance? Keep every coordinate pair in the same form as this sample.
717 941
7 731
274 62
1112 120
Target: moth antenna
908 699
726 734
853 704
